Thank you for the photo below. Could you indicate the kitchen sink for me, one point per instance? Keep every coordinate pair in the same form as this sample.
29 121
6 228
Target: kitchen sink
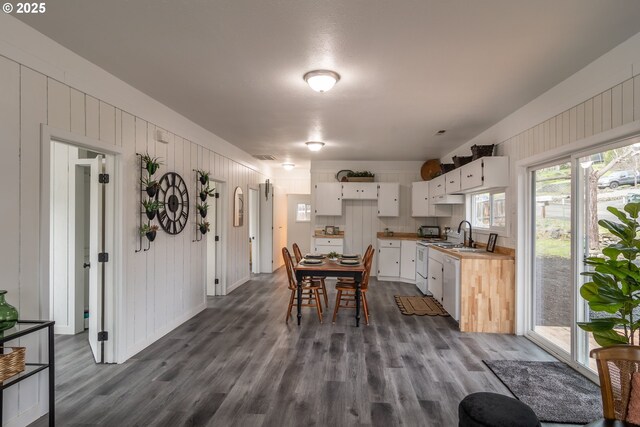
472 250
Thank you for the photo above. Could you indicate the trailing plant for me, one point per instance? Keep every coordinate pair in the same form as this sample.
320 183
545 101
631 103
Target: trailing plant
614 288
203 176
151 164
360 174
203 226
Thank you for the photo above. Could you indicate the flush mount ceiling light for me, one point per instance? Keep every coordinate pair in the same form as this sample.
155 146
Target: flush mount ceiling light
321 80
314 145
288 166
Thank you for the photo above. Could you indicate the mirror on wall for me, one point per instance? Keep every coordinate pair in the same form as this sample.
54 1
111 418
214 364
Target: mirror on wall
238 207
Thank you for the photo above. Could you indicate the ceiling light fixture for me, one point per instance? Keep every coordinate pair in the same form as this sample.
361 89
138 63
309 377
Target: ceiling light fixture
321 80
288 166
315 145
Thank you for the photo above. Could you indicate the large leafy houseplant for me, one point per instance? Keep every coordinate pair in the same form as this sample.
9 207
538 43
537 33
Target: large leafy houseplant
615 281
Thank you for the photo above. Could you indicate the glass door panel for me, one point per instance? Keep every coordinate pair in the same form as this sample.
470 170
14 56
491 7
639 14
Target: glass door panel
551 261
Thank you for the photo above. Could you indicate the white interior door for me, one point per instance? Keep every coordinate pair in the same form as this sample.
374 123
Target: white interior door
212 271
254 229
95 238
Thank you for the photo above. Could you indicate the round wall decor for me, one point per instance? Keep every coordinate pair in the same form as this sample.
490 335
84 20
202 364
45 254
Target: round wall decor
173 194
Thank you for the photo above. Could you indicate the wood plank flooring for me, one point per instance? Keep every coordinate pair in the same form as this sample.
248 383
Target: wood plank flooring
238 364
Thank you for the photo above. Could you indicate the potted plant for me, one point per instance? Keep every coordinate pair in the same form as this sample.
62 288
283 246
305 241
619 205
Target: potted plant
151 164
151 207
614 289
150 185
203 226
202 209
207 191
203 176
149 231
360 176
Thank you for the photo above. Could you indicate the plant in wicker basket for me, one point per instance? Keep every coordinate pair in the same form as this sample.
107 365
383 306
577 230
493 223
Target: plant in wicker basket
614 289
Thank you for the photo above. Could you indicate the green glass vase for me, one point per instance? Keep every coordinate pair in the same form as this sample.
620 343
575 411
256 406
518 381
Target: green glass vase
8 313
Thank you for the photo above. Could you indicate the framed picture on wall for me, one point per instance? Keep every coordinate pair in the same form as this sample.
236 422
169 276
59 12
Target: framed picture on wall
491 243
329 229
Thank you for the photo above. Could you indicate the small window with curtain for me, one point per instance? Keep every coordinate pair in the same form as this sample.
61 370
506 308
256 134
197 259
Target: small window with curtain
303 212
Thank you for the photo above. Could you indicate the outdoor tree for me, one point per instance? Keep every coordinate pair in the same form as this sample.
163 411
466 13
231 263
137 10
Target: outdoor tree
611 159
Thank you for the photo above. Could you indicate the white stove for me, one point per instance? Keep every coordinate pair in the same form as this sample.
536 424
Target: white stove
422 257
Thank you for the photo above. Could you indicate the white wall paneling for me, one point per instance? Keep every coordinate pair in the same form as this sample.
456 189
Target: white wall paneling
161 288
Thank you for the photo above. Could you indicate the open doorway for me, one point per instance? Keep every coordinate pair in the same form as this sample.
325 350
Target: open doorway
81 215
254 230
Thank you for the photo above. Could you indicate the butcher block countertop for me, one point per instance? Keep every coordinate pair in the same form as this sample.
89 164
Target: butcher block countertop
399 236
474 255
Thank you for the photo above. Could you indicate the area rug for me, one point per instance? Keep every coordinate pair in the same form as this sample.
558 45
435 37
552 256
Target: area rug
555 392
419 306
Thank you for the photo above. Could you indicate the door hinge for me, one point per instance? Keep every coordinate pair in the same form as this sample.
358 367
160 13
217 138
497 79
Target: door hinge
217 195
216 282
217 238
103 178
103 336
103 257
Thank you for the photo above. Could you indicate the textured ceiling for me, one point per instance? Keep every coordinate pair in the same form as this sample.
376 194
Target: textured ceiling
408 67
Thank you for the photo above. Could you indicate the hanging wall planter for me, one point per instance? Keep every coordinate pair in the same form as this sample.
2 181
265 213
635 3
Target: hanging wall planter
151 164
151 207
206 192
204 227
202 209
203 176
150 186
149 231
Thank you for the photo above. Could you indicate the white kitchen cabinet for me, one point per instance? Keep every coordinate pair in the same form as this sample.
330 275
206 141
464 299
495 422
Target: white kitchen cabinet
451 286
388 199
435 278
389 262
328 199
452 181
326 245
421 203
437 186
359 191
408 259
484 173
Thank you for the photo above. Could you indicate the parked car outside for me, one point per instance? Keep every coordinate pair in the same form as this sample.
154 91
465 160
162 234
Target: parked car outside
632 198
615 179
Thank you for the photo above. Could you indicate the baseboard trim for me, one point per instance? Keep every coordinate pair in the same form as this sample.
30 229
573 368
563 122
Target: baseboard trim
137 348
27 417
395 279
236 285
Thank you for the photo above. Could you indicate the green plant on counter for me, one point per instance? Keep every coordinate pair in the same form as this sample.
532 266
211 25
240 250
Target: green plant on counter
333 255
614 288
360 174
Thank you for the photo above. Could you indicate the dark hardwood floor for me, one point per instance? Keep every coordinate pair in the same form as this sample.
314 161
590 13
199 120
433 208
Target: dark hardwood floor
238 363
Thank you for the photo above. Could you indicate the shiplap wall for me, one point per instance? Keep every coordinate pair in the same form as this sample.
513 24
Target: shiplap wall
164 286
607 110
359 219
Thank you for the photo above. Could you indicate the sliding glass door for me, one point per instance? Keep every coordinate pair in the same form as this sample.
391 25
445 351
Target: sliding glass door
551 254
567 199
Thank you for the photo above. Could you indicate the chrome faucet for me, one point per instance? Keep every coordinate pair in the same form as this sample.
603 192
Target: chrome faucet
470 231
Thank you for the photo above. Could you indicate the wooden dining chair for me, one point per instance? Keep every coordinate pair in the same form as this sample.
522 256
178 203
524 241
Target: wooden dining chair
346 289
320 280
616 367
310 294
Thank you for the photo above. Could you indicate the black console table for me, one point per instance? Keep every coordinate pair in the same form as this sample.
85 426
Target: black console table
22 328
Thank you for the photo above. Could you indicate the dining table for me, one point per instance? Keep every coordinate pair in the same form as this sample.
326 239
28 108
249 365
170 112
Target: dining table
330 268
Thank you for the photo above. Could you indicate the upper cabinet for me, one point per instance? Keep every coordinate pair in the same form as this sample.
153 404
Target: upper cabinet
484 173
388 199
360 190
328 199
452 181
422 204
437 186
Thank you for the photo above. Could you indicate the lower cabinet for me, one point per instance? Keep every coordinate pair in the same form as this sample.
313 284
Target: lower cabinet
435 278
408 260
324 246
389 261
451 286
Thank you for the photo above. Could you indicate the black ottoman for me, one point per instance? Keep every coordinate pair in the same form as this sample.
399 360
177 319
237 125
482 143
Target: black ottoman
495 410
